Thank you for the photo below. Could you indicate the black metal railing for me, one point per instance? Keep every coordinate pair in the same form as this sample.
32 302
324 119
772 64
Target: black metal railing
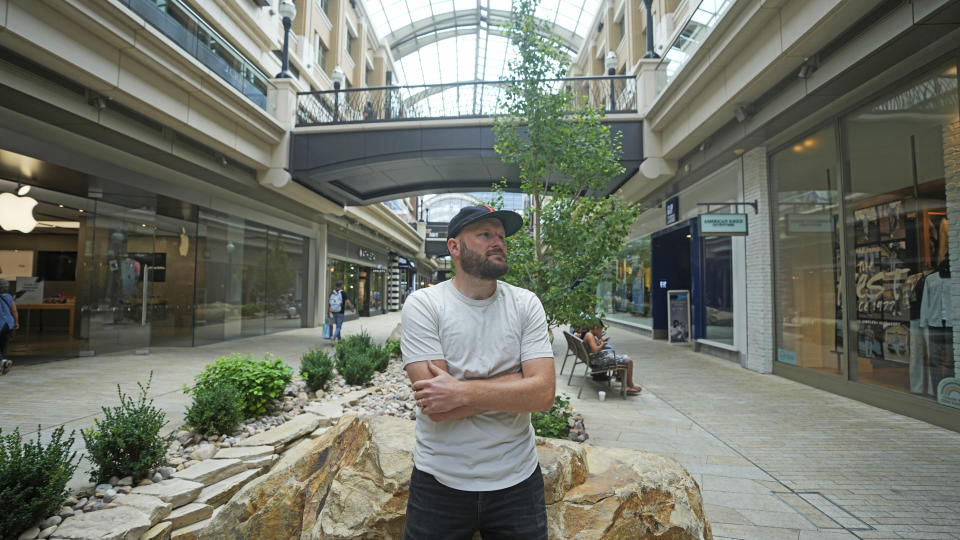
185 28
614 94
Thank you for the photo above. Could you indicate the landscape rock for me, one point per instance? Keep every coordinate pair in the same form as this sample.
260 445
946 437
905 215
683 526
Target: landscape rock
281 435
219 493
160 531
30 533
120 523
244 453
328 412
211 471
154 508
175 491
189 514
352 482
46 533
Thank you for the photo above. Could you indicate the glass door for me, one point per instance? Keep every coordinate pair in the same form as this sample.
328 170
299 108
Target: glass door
122 267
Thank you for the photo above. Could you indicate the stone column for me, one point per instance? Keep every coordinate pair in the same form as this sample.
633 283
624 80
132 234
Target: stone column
759 253
951 171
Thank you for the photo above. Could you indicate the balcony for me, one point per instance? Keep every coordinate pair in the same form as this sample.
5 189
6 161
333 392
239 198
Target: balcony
185 28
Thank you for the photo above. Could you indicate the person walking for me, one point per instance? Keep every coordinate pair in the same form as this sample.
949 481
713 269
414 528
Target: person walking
478 355
338 299
9 321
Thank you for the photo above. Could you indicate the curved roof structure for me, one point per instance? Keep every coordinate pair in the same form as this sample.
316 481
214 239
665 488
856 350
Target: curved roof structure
446 41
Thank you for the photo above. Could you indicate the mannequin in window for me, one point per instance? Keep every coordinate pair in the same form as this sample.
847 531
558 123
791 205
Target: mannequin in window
919 374
936 312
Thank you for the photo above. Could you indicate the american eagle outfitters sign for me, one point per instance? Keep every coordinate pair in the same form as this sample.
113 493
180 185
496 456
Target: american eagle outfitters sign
723 224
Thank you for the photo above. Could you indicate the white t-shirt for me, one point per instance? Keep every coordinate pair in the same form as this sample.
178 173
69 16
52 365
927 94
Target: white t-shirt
478 339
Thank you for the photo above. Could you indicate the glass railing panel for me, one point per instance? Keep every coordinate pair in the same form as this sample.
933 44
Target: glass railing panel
688 40
198 39
613 94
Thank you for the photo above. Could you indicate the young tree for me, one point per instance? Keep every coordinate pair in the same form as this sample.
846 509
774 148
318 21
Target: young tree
565 156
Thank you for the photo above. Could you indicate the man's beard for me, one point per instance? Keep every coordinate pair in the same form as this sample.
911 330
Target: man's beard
479 266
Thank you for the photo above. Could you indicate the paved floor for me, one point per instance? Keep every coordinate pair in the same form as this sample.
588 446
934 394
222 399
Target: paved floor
775 459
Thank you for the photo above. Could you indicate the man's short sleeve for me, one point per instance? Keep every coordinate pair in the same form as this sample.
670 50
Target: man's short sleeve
535 342
420 334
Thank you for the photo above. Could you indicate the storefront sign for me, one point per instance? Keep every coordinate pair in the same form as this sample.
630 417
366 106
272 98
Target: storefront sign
403 262
787 357
673 210
32 288
723 224
678 316
948 392
809 223
367 254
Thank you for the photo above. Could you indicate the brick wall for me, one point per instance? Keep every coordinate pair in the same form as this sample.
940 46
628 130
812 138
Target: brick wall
951 166
759 354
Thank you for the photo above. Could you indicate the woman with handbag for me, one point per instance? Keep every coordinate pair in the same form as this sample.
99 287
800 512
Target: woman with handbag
602 355
9 321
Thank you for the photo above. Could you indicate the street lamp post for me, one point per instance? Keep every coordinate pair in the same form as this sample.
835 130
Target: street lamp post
288 12
339 80
611 64
650 52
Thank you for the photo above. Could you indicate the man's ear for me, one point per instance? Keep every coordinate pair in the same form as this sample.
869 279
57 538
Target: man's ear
453 246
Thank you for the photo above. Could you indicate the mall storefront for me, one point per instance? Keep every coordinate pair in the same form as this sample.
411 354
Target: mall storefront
109 267
363 269
864 208
666 251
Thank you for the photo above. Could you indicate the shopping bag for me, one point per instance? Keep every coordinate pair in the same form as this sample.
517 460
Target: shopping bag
328 328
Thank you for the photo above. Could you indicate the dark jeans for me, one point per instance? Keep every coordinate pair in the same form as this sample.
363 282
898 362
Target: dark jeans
338 321
435 511
5 334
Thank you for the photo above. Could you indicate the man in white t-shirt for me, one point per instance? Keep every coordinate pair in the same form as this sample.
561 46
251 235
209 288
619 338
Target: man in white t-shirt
478 354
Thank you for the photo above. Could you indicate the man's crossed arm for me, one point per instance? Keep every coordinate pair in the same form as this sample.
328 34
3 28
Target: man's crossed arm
444 397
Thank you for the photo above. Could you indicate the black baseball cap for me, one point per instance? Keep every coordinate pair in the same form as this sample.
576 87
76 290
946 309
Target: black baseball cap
511 220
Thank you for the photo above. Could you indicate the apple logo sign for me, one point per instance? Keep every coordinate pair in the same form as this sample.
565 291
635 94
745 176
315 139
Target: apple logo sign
16 211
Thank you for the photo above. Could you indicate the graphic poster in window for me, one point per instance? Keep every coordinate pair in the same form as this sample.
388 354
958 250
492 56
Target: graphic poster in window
893 222
869 276
866 229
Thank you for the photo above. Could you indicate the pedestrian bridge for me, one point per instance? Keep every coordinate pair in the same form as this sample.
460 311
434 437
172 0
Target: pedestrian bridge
361 146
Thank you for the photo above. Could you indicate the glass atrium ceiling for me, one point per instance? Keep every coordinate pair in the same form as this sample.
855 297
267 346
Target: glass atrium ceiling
446 41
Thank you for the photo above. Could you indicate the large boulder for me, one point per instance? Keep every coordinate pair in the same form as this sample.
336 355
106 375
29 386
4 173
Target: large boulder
352 482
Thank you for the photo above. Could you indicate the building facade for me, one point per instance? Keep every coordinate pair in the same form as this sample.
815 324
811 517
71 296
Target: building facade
144 198
830 129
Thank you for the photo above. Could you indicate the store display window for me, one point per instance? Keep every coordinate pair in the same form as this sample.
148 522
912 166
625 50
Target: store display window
806 272
626 297
349 274
897 206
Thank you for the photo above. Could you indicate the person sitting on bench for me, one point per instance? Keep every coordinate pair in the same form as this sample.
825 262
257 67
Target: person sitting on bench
601 356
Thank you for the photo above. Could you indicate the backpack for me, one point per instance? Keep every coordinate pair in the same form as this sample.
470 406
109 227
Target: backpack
336 302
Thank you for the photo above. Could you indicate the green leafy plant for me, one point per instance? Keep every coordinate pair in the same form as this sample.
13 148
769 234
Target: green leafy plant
259 382
352 345
571 233
555 422
33 478
216 409
359 368
393 348
380 356
316 367
127 441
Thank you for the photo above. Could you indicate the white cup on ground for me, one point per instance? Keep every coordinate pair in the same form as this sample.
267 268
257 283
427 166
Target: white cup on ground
601 395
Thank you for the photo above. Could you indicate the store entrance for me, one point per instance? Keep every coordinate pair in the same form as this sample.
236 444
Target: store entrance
670 269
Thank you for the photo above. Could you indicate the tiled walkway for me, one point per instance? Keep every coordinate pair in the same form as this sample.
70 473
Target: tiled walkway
778 459
775 459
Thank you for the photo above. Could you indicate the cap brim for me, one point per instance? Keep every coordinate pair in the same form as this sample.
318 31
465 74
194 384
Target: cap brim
512 222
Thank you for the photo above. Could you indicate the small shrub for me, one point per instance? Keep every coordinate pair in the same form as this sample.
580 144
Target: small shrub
249 310
316 367
380 356
393 348
127 441
358 369
216 409
259 381
553 423
352 345
33 479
